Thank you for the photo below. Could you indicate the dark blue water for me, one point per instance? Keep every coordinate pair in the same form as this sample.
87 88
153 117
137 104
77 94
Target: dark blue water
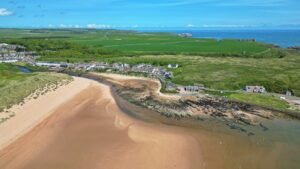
283 38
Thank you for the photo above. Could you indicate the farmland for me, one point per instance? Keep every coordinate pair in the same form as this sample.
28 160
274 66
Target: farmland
132 43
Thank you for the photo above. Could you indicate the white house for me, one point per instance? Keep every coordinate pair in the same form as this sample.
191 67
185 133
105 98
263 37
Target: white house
46 64
174 66
255 89
8 61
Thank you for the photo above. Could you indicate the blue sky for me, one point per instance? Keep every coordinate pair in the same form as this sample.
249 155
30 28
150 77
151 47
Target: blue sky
136 14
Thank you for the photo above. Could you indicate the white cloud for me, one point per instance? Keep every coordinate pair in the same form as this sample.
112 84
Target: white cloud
190 25
98 26
5 12
77 26
62 25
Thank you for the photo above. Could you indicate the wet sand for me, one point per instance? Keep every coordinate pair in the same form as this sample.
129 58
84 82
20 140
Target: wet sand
90 131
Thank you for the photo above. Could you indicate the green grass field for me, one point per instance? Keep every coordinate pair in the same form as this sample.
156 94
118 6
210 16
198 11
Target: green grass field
266 100
15 85
113 42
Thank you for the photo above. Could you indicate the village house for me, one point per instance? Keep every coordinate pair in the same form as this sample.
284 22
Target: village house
160 73
255 89
170 86
156 72
90 67
123 67
142 68
168 75
191 88
188 89
13 53
173 66
8 61
46 64
103 65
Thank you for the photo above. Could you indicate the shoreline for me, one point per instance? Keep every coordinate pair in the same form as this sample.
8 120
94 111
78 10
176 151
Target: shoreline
117 78
98 129
38 109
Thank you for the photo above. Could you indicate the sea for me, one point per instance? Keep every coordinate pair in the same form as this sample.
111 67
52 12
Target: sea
282 38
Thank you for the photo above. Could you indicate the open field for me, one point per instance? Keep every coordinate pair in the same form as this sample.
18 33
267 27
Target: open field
15 85
265 100
133 43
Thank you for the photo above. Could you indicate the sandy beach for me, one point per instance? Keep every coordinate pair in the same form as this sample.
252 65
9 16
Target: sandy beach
36 110
80 126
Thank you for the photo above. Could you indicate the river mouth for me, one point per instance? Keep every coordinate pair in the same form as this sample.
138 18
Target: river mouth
273 145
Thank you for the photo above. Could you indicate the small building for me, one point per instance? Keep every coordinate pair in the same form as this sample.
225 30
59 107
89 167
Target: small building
142 68
46 64
170 86
168 75
192 88
8 61
255 89
156 71
173 66
90 67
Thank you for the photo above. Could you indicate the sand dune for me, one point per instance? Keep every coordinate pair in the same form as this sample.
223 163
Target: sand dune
35 110
90 131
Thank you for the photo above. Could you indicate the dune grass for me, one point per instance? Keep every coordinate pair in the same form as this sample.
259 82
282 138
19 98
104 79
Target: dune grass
15 85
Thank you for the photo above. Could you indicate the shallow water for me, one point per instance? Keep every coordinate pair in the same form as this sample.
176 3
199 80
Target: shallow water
24 69
274 145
